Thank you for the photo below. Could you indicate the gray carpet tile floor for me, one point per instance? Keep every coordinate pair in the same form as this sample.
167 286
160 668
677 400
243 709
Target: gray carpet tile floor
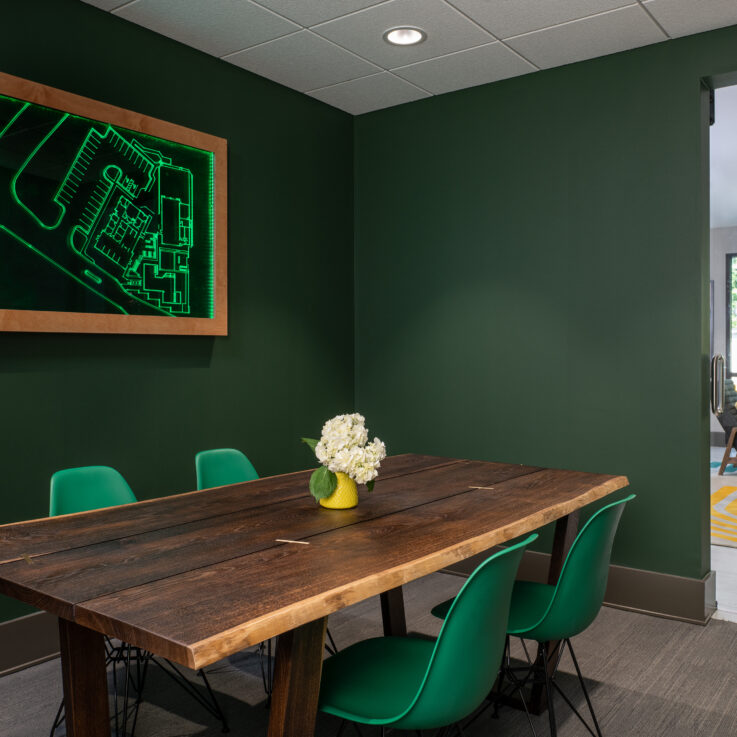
647 677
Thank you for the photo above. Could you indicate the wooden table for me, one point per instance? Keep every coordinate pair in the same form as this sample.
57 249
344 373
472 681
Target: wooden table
199 576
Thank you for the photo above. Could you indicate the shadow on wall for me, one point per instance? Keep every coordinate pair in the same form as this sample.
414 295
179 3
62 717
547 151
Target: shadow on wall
32 352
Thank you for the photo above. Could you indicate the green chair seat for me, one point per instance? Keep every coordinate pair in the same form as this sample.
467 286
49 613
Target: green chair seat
375 680
412 683
551 615
530 602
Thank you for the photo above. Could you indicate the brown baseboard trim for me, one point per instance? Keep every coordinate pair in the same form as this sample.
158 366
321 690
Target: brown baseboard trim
647 592
28 641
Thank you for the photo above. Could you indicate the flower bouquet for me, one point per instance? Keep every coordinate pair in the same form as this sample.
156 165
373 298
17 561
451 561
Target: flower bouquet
344 451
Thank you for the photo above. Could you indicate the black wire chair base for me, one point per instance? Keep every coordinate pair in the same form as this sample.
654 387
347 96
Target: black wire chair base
209 702
135 662
538 672
122 655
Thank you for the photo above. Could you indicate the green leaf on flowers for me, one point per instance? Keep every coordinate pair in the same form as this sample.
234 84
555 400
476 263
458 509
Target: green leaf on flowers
323 483
311 442
370 484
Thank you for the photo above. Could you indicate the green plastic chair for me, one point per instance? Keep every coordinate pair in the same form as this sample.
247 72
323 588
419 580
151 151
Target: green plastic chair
551 615
413 683
88 487
96 487
222 466
81 490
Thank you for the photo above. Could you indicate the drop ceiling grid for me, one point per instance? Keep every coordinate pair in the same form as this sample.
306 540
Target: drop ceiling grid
334 49
440 81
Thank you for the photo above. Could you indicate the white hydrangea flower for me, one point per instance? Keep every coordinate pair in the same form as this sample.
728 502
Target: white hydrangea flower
344 448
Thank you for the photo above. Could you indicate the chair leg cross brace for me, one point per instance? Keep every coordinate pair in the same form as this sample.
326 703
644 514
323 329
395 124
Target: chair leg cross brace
542 665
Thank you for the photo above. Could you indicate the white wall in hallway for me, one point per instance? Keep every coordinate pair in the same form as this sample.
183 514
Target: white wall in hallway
722 242
723 159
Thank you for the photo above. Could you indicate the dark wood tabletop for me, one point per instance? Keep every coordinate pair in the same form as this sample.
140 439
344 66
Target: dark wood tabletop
198 576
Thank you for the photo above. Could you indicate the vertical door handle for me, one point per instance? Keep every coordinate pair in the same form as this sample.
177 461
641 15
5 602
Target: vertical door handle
717 384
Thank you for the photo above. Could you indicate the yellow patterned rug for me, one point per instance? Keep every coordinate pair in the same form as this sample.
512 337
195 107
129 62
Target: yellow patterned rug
724 512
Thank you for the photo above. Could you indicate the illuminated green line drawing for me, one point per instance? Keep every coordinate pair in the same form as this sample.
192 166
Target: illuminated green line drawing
127 216
92 276
68 273
14 118
14 180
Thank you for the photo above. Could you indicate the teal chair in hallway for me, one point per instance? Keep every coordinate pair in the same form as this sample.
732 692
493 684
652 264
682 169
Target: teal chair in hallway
552 615
84 489
410 683
222 466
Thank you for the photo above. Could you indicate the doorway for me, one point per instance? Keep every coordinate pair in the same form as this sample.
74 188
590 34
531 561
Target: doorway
723 341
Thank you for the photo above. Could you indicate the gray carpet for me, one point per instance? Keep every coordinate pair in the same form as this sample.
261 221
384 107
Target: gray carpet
647 676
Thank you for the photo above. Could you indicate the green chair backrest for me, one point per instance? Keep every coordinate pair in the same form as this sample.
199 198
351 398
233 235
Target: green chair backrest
88 487
579 592
221 467
469 649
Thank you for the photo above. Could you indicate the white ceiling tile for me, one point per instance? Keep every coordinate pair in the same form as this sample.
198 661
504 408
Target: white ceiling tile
217 27
303 61
447 31
598 35
369 93
337 59
106 4
681 17
468 68
506 18
309 13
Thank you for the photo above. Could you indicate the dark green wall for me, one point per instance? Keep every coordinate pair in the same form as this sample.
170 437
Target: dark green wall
532 280
146 404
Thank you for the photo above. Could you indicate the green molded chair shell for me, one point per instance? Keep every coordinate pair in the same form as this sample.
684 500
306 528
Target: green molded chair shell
541 612
412 683
223 466
95 487
88 487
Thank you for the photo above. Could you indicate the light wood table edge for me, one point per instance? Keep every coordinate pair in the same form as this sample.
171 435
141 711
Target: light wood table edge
207 651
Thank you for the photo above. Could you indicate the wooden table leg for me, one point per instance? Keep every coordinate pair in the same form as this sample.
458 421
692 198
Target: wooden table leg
392 613
85 681
566 529
297 673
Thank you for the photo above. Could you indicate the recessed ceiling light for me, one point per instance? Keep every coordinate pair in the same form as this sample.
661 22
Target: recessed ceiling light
405 36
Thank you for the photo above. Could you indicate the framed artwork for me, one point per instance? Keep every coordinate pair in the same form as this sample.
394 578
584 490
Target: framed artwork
110 221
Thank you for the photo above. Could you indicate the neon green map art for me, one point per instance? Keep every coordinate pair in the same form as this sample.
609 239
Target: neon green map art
98 219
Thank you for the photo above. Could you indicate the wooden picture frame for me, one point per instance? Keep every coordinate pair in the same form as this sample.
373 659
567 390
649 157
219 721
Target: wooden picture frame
119 223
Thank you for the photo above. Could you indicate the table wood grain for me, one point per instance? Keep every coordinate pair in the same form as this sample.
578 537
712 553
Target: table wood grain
197 576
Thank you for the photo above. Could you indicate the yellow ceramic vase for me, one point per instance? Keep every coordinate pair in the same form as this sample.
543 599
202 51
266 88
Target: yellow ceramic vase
345 495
